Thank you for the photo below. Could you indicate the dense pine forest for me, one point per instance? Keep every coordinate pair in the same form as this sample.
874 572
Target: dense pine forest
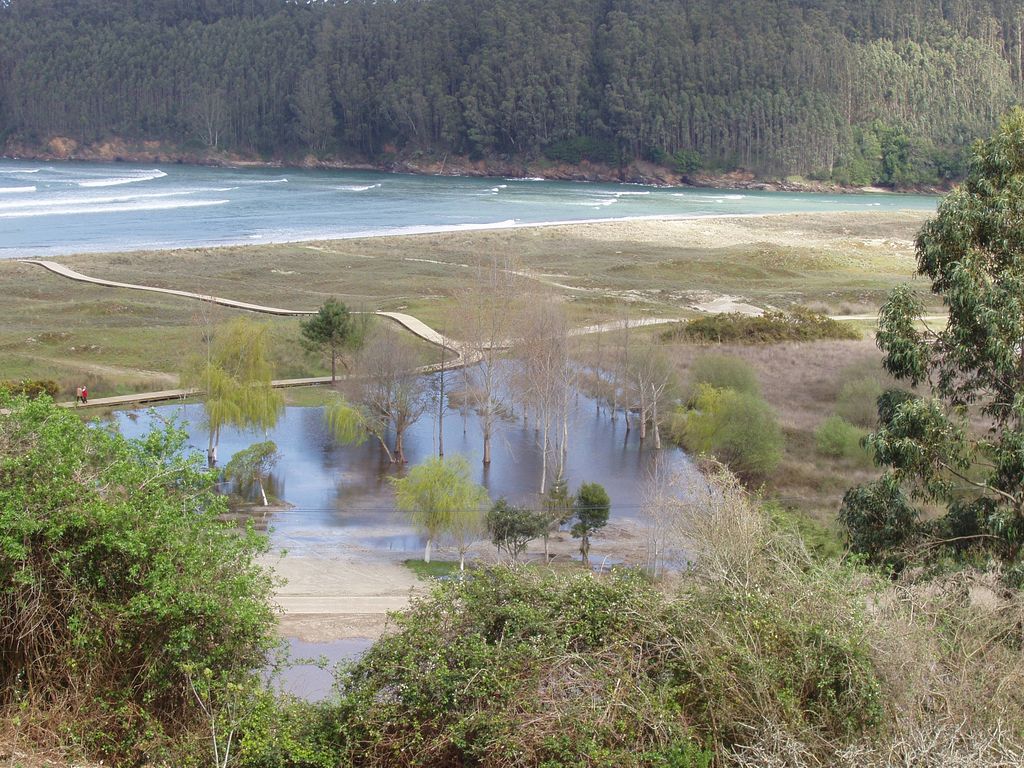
853 91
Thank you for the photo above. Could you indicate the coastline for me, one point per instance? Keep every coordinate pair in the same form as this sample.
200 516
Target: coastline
58 149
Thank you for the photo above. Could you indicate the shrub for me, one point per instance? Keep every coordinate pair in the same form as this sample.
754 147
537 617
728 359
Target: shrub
115 578
31 388
531 667
512 528
879 521
839 438
858 401
801 324
723 372
738 428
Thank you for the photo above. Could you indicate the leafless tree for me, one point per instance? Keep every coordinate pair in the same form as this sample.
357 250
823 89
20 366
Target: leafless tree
651 383
486 322
390 387
545 379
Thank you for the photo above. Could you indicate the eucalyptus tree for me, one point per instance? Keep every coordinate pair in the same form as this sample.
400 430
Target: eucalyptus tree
961 446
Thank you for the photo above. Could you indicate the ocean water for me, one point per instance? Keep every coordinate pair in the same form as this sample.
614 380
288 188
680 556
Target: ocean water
49 209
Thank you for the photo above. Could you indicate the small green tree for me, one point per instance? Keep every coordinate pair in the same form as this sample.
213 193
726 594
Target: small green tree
334 330
591 506
557 510
512 527
248 467
739 429
439 497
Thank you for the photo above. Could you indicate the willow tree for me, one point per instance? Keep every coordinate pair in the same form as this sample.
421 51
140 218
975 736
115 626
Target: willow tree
441 498
962 446
235 379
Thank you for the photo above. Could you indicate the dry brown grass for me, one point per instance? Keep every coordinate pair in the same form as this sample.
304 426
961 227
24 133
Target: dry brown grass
802 382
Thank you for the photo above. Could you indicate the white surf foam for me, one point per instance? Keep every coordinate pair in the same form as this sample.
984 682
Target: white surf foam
23 170
12 190
356 187
615 193
115 181
73 200
77 210
526 178
265 181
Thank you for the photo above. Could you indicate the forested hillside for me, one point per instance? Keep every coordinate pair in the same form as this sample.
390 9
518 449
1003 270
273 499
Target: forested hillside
855 91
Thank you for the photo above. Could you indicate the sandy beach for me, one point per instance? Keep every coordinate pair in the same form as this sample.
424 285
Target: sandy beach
335 591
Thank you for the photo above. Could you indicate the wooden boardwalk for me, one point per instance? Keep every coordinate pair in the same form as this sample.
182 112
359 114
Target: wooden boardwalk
461 356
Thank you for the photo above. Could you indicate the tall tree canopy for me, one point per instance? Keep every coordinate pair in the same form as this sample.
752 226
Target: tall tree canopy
962 445
865 91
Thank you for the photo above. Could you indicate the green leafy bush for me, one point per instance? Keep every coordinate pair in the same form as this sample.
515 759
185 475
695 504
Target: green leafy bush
879 521
839 438
739 429
723 372
115 579
772 327
530 667
31 388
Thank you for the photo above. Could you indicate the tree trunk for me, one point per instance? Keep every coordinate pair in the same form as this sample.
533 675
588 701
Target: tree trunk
544 461
400 446
585 550
654 425
426 551
462 561
334 366
263 493
487 446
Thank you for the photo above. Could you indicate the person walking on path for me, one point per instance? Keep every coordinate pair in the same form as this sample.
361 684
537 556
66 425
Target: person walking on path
78 395
85 395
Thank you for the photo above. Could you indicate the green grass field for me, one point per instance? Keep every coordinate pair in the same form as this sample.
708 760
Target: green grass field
117 341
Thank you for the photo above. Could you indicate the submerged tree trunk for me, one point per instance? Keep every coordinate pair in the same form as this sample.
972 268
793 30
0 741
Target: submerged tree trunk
399 447
263 493
654 425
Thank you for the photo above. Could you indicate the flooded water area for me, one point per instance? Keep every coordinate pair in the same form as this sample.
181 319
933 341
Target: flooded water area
345 541
341 495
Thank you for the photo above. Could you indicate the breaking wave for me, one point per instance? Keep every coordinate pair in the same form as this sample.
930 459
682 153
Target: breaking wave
12 190
115 181
77 210
356 187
